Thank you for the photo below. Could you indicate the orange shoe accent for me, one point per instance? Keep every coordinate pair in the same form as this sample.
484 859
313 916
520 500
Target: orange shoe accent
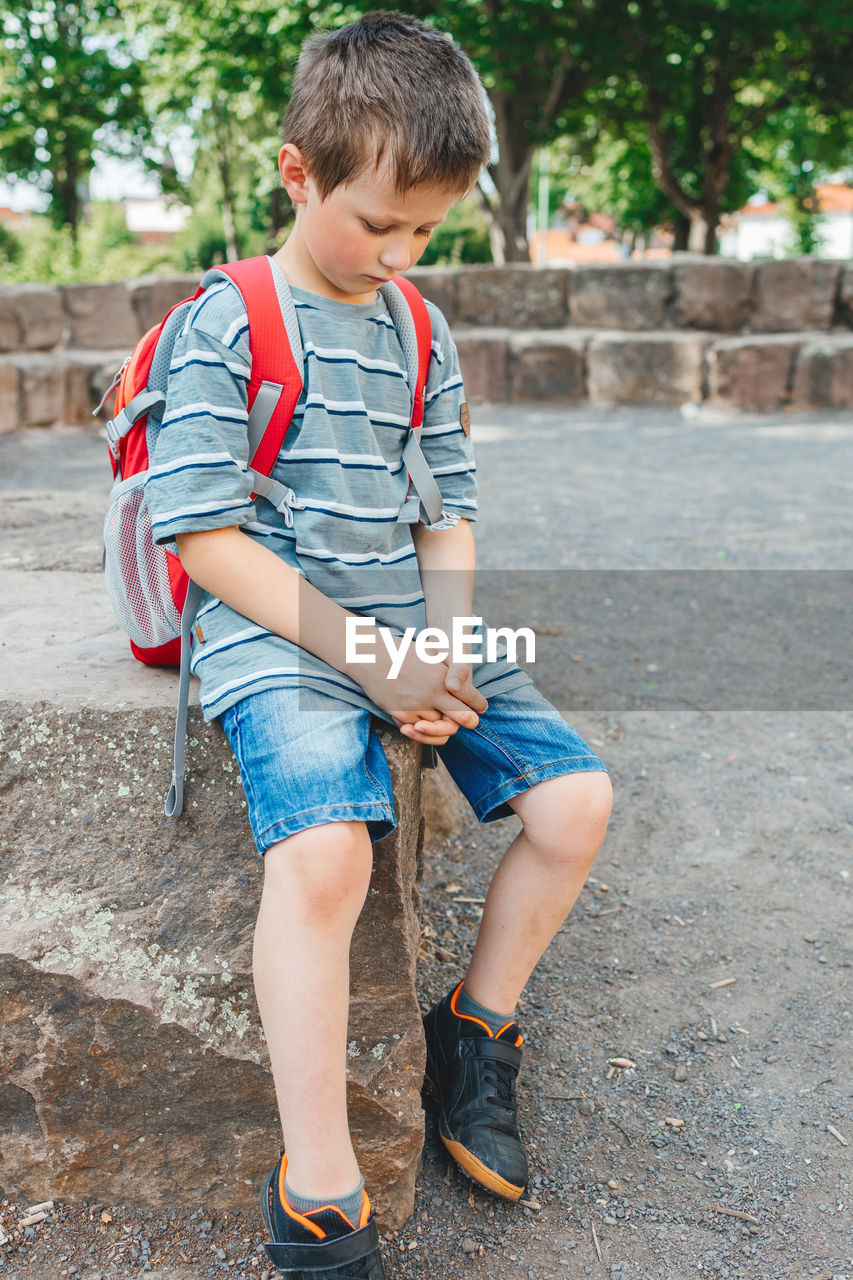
305 1219
468 1016
479 1173
291 1213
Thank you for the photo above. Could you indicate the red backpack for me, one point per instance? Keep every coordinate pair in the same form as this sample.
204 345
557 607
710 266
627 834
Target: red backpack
149 590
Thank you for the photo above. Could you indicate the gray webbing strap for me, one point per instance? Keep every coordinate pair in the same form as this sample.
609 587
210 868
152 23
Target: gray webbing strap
422 478
175 798
117 428
263 408
282 498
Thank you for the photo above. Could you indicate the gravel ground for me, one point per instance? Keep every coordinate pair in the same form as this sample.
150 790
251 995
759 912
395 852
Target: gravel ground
710 948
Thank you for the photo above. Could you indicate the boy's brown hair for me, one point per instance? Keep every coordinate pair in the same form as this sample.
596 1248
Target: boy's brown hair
388 87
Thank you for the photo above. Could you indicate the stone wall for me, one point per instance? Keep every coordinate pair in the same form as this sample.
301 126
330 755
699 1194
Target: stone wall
687 328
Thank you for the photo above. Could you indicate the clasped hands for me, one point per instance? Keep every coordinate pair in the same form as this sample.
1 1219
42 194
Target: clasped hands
428 702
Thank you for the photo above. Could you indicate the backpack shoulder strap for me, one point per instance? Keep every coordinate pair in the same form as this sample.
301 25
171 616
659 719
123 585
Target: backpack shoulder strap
276 348
423 339
414 329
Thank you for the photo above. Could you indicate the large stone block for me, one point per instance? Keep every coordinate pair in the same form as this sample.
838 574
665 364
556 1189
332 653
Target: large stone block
31 317
101 315
86 375
10 396
794 294
711 293
152 296
519 296
132 1061
621 296
655 368
547 364
751 372
42 390
844 309
824 372
438 284
483 360
443 806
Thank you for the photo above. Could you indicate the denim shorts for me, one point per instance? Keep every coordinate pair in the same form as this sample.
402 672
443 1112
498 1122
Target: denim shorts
307 759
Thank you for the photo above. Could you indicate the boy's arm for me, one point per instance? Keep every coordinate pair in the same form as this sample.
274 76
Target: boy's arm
251 579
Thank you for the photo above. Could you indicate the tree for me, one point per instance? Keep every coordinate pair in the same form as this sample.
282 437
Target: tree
68 84
708 77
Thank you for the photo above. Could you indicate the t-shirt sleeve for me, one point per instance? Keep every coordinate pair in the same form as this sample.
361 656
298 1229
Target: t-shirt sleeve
445 442
199 476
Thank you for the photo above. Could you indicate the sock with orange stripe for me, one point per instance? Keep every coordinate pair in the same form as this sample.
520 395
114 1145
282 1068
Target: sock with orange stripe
349 1205
470 1008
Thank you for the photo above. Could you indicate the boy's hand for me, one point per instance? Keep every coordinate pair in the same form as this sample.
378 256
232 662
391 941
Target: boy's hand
419 700
457 681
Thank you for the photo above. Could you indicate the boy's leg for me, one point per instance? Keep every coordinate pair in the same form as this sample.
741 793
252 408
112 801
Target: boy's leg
315 884
535 886
522 757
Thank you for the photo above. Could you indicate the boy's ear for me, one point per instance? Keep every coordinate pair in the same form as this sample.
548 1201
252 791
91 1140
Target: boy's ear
294 174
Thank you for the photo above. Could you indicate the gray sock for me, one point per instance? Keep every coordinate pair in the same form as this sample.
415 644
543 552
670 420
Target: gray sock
349 1205
494 1021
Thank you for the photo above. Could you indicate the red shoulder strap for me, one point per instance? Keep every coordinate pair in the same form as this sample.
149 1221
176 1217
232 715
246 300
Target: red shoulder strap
423 333
272 357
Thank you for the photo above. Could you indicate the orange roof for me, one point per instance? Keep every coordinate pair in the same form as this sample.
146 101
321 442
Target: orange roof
835 197
832 197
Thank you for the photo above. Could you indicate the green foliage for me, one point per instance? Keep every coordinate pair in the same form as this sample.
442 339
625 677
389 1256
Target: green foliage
462 237
68 83
651 109
104 251
707 78
10 247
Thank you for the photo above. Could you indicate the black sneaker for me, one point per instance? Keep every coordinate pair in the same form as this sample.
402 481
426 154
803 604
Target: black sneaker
472 1073
322 1245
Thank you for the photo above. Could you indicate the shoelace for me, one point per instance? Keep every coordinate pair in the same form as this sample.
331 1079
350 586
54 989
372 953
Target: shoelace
501 1075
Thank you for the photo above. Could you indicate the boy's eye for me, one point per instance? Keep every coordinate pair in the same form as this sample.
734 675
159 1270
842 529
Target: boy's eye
424 232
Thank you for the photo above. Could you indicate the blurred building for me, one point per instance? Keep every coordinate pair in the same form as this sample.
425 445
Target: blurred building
762 229
154 219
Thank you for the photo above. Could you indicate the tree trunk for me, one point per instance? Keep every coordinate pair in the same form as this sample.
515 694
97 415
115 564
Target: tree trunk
704 214
65 196
229 226
682 232
507 217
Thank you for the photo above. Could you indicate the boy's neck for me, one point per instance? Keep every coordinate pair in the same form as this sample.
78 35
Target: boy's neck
301 272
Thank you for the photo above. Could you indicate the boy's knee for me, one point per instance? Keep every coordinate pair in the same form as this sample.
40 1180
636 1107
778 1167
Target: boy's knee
559 813
323 872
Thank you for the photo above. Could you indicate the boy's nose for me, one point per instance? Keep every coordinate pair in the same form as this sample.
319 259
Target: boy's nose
396 256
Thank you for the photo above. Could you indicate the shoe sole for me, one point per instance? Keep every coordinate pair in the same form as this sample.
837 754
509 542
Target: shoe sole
264 1197
474 1167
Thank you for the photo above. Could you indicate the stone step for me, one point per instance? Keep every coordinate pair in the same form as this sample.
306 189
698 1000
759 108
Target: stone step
754 336
752 371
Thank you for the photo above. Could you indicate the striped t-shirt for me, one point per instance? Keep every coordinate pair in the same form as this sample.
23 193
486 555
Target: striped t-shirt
342 457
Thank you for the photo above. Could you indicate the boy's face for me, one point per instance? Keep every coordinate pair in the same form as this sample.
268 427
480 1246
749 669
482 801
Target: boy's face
362 235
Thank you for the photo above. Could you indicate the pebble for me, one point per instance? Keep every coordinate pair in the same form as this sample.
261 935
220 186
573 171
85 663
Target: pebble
469 1245
680 1073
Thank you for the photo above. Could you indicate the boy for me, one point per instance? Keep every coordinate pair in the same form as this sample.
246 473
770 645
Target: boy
385 131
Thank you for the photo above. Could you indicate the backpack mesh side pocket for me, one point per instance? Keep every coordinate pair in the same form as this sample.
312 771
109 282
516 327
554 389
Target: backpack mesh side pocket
137 571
